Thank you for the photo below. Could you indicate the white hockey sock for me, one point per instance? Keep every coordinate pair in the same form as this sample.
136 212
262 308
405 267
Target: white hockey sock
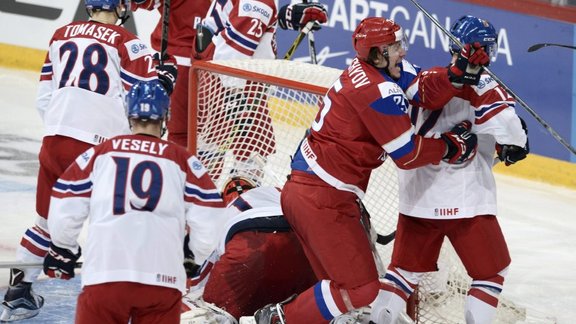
387 307
478 311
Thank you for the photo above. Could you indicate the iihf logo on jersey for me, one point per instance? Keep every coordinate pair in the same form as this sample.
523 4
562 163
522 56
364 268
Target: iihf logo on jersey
165 278
446 211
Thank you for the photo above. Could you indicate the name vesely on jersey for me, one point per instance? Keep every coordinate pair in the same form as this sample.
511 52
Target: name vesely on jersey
127 144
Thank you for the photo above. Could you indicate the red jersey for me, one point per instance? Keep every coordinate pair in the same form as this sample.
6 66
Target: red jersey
363 119
185 15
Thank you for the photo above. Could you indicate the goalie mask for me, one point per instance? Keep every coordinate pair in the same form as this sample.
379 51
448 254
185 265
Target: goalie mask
377 32
469 29
234 187
147 100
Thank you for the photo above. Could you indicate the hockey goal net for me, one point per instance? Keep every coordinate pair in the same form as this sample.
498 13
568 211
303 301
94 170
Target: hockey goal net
251 115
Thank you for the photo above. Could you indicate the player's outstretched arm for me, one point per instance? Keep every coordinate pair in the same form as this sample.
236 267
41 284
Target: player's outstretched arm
296 16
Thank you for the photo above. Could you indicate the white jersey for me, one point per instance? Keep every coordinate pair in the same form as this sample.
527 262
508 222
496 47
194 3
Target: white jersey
88 69
138 193
256 209
243 29
447 191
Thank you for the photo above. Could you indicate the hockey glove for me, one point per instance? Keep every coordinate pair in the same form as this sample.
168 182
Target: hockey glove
296 16
167 72
510 154
60 263
461 143
469 65
189 263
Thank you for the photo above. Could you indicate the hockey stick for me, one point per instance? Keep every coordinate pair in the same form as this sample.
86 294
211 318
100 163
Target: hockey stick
312 47
311 44
303 32
19 265
165 21
385 239
514 95
365 220
536 47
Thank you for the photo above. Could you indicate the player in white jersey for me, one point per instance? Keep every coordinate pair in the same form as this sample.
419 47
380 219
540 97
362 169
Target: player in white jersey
138 192
258 259
88 68
243 29
457 201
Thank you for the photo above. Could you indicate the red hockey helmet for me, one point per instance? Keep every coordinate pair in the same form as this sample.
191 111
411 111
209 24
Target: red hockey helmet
375 32
234 187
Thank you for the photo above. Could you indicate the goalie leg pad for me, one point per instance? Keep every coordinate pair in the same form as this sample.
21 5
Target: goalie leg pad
197 311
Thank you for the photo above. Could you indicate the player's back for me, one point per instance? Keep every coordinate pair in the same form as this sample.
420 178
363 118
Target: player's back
243 29
137 212
89 66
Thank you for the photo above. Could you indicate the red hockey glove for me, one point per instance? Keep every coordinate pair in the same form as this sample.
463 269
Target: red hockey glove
167 72
296 16
469 65
60 263
461 143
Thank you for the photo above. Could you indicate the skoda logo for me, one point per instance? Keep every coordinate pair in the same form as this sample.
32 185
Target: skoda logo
247 7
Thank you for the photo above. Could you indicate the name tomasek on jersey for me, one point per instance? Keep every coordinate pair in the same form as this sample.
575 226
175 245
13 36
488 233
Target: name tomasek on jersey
102 33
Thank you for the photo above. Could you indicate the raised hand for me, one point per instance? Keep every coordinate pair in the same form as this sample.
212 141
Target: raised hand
296 16
469 65
167 72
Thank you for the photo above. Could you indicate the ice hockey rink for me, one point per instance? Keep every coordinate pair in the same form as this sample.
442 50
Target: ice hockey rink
539 220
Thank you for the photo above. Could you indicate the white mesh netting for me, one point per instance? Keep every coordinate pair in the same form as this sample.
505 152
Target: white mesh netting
251 116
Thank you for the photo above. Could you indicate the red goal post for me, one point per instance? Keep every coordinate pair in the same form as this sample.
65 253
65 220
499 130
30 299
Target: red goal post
247 117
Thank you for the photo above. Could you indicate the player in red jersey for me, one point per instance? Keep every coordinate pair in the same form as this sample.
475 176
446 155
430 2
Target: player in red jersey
185 15
88 68
465 212
362 121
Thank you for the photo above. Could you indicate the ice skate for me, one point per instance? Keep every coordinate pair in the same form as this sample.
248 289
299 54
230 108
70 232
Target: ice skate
270 314
20 302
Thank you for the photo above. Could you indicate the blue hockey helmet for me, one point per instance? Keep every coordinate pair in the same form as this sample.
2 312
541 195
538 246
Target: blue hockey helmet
106 5
147 100
469 29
